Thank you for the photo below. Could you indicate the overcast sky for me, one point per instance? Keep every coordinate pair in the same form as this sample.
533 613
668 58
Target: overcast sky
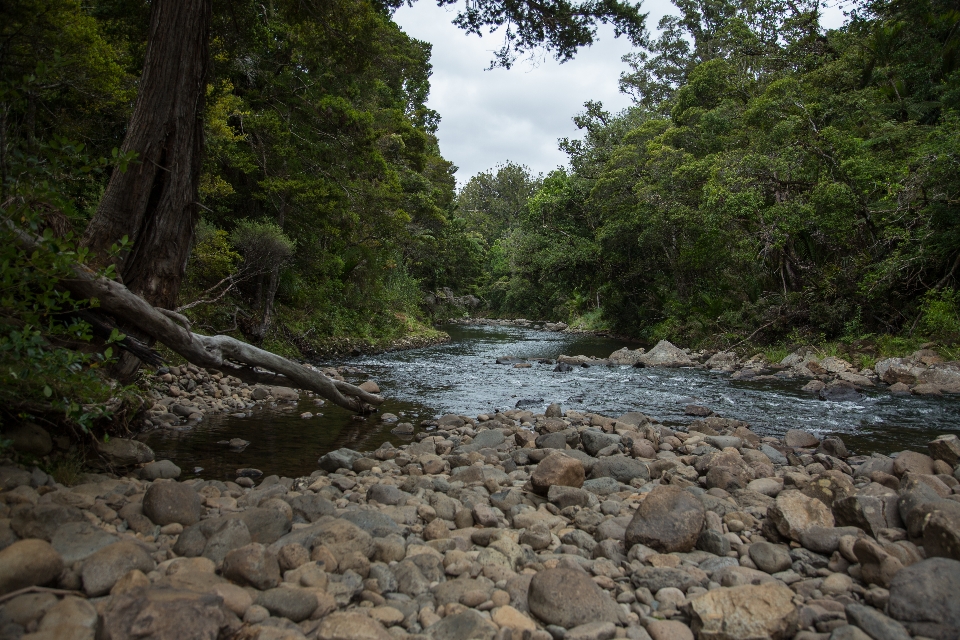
489 117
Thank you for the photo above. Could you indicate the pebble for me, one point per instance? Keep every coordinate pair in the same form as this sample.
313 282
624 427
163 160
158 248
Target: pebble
479 530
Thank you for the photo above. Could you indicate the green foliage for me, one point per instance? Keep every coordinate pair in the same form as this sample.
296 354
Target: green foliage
213 257
774 182
940 317
46 365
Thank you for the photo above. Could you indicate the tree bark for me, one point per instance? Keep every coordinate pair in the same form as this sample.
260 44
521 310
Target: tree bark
154 203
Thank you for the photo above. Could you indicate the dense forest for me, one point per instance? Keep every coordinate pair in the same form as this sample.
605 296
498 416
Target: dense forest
774 181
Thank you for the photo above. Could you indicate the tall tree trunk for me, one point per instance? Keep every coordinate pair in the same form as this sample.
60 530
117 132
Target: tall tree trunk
154 203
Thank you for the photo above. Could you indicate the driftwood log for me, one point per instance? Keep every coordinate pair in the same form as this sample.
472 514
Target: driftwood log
229 355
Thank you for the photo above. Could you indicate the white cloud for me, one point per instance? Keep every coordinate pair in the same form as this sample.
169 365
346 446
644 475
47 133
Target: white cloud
488 117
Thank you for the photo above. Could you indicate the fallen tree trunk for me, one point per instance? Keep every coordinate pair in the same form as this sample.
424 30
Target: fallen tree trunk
229 355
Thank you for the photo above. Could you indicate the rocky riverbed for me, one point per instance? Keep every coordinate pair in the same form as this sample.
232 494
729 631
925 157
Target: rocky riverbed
923 372
509 525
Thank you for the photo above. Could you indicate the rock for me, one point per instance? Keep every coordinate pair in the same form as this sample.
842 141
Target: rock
284 394
266 525
291 603
840 391
28 563
794 512
912 462
75 541
800 439
557 469
30 438
775 456
668 520
877 625
310 507
767 486
466 624
620 468
665 354
722 442
508 617
376 523
386 494
123 452
593 631
669 630
876 565
772 558
833 446
927 592
745 613
339 459
825 540
657 578
869 513
947 448
168 502
351 626
713 542
254 565
595 440
538 537
569 598
160 469
229 535
167 614
70 618
829 487
102 569
12 477
941 533
554 411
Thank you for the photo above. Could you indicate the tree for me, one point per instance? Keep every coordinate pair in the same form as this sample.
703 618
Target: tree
152 209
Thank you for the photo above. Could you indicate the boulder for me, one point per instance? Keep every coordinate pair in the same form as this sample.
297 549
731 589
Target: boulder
466 624
163 613
252 565
927 592
43 520
76 541
800 439
875 623
794 512
339 459
172 502
30 438
28 563
941 533
557 469
912 462
102 569
569 598
160 469
351 626
946 448
123 452
665 354
621 468
668 520
749 612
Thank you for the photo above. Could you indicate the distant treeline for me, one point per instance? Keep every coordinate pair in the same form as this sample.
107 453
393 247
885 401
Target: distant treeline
771 175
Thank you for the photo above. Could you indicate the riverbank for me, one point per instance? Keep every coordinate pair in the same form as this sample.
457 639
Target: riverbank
519 524
923 372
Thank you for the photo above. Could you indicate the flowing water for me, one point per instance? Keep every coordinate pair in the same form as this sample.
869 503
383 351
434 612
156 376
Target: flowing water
462 377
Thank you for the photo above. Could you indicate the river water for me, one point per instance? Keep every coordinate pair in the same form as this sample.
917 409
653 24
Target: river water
462 377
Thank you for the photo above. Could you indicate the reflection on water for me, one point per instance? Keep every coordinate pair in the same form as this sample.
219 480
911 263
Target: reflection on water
462 377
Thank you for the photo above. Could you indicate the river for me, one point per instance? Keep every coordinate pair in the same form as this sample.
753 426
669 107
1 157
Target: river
462 377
